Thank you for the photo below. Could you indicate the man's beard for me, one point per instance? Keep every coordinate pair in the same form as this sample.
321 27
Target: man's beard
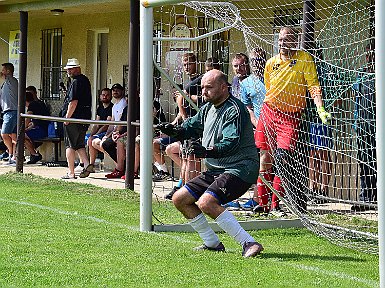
242 76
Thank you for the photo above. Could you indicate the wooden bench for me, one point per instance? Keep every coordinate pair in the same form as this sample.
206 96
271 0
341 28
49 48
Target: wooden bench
57 147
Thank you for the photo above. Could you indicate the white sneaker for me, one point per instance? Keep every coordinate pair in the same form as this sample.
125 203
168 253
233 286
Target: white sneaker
78 169
11 162
277 212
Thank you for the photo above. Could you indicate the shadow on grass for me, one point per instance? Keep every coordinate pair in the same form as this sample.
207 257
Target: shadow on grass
293 256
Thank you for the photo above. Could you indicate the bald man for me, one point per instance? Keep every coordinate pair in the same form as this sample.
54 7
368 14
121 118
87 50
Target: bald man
231 159
288 76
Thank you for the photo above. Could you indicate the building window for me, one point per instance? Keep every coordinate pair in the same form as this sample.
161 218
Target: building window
216 45
52 73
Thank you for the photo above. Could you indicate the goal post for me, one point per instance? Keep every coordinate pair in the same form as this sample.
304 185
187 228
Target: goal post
380 132
146 134
146 92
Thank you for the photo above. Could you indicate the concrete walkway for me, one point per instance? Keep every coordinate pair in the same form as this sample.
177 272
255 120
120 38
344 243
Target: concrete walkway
97 179
160 189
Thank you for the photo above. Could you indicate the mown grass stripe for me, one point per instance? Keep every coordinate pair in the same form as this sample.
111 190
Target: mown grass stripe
317 270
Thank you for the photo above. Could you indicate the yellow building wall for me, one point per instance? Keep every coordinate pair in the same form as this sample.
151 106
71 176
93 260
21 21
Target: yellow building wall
79 34
77 42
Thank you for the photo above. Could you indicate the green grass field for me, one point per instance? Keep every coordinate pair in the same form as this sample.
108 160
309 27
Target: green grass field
60 234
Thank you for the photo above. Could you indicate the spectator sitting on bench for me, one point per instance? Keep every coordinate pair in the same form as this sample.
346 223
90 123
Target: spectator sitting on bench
33 90
34 129
107 144
104 112
189 164
120 137
36 98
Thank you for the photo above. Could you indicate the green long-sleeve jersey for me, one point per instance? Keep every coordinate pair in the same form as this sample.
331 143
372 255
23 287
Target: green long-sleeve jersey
227 128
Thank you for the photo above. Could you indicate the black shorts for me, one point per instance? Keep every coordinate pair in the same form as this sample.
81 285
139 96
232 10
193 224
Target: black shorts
225 187
74 134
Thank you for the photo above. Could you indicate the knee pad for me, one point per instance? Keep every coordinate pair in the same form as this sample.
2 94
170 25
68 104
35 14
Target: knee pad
281 155
282 160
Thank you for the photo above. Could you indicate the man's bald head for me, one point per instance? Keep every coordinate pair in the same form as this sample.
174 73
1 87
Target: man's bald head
214 87
216 75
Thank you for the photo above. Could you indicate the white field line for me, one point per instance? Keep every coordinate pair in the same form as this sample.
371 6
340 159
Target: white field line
338 275
317 270
92 218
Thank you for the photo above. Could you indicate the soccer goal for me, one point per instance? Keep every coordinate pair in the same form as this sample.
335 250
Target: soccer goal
336 173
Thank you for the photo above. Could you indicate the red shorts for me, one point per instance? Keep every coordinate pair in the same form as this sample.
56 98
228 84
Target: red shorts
277 129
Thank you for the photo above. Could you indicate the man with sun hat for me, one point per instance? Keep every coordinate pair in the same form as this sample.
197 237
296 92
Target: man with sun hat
77 104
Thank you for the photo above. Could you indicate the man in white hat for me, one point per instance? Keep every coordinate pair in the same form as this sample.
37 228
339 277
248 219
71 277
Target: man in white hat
77 104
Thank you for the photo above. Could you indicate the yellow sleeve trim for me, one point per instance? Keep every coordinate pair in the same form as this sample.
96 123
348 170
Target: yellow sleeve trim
315 91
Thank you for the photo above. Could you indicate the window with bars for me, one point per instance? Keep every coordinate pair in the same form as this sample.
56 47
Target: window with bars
52 73
216 45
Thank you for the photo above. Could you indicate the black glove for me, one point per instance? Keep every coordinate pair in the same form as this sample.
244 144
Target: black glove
199 151
171 130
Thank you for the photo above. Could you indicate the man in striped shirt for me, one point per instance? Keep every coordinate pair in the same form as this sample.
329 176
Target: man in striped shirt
231 159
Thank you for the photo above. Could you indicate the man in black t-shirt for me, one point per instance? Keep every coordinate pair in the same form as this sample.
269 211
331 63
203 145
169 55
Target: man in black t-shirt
190 165
103 112
77 104
192 88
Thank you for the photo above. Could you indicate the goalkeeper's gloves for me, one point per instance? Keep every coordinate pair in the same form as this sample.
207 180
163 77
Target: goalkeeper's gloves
325 116
199 151
171 130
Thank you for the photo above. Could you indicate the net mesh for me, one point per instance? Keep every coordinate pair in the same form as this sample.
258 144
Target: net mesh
329 181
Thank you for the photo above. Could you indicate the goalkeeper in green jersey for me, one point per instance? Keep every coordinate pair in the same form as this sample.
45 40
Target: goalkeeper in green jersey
231 159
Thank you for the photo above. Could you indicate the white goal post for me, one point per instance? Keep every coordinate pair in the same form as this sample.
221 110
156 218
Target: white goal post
146 92
380 132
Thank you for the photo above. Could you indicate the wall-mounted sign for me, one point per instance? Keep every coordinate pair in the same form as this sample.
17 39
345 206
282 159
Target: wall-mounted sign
180 30
14 46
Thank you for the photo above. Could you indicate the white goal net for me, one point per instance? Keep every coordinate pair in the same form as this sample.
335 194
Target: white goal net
328 172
